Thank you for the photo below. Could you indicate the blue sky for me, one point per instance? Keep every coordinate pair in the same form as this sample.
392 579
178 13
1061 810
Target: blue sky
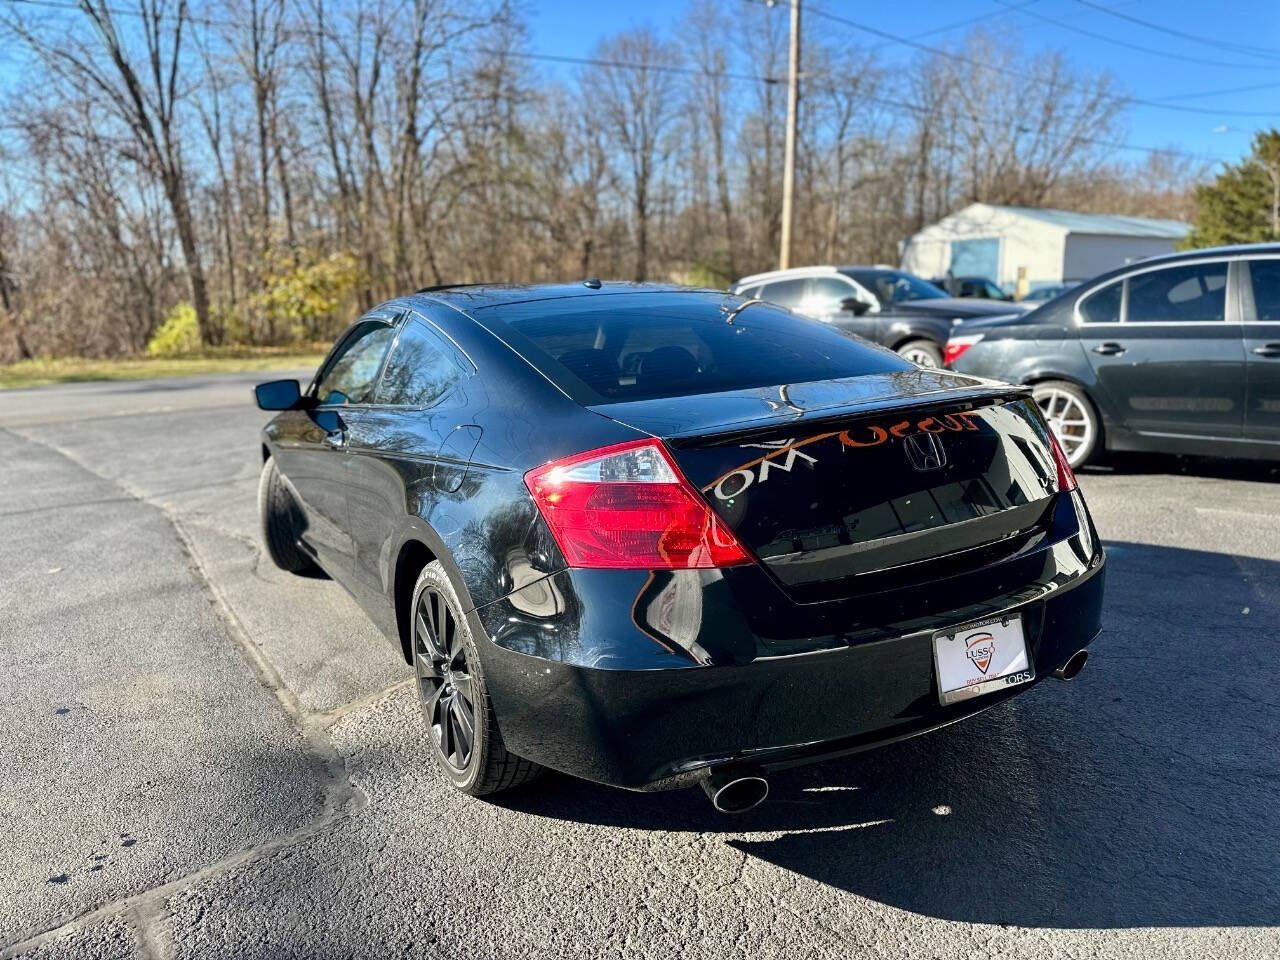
572 27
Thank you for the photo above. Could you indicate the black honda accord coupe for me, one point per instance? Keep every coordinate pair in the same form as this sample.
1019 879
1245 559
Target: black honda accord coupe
654 536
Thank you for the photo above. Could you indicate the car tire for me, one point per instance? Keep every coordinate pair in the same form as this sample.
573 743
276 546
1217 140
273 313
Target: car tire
282 522
924 353
1073 417
447 668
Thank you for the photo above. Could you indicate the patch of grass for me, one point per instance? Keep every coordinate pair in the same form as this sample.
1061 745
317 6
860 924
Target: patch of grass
34 373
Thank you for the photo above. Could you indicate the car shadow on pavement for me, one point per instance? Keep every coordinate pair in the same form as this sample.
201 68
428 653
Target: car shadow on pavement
1147 464
1145 793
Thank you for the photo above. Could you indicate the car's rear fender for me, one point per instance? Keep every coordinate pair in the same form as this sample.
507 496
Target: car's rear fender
904 330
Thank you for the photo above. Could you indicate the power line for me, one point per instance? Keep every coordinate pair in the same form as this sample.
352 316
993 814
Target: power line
935 112
518 54
1265 52
688 71
1218 93
1105 38
625 65
330 35
967 22
919 109
1020 74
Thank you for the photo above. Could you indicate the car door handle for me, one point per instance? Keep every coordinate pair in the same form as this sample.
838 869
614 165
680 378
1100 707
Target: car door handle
336 440
1109 349
1268 350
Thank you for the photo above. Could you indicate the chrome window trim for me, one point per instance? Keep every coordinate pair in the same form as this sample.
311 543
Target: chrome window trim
1124 320
440 331
1078 317
391 318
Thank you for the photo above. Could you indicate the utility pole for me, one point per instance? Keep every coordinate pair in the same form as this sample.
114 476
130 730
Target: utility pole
789 160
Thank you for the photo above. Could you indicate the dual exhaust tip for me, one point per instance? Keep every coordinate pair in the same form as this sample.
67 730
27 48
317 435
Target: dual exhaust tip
738 789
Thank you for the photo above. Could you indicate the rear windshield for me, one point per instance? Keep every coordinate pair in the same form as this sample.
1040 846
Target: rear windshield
616 348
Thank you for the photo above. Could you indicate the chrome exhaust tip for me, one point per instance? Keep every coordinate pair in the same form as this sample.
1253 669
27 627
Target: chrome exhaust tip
1073 665
736 789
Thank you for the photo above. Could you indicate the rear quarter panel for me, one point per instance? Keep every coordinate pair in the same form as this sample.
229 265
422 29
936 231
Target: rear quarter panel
1030 353
897 330
466 501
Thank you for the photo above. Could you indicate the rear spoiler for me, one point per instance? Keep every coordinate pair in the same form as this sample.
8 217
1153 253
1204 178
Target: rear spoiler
943 400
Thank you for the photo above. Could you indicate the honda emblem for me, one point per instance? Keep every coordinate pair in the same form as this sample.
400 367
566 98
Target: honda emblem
925 451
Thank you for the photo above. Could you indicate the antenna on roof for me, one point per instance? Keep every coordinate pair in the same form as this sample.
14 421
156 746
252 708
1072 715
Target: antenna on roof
592 283
731 315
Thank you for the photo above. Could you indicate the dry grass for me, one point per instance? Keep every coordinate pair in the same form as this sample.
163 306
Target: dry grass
34 373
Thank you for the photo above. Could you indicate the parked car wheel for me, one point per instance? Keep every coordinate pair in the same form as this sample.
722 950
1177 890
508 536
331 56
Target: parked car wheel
455 704
926 353
1072 417
282 522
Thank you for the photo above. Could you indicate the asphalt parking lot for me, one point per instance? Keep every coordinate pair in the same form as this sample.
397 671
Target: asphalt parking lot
203 756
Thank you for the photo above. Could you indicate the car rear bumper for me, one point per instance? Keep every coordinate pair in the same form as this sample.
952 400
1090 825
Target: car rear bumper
681 682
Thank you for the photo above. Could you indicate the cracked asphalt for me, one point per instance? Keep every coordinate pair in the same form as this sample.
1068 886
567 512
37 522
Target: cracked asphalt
203 756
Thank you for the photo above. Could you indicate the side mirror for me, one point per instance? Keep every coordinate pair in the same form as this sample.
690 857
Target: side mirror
855 306
278 395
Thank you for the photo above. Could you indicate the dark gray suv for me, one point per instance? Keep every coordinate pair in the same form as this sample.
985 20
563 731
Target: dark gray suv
1176 354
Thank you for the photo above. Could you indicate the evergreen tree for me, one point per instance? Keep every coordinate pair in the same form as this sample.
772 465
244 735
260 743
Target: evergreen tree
1243 204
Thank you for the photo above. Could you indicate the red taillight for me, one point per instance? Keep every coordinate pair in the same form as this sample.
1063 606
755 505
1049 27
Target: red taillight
1066 476
956 347
629 506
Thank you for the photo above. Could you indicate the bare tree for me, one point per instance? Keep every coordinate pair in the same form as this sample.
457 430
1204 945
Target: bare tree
636 99
141 93
316 157
710 95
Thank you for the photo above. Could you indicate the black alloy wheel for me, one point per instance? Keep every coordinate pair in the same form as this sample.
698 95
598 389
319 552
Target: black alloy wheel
445 686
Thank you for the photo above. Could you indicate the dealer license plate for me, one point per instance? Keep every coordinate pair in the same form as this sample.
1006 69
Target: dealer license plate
981 657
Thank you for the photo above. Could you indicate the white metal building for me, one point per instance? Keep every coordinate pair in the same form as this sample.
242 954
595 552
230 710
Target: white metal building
1055 246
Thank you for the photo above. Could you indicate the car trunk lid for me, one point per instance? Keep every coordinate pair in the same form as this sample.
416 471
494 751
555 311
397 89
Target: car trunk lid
851 486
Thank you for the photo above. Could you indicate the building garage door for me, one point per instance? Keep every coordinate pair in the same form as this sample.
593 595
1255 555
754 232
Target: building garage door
977 257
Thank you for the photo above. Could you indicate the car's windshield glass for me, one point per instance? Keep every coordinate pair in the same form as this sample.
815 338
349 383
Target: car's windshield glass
642 347
894 286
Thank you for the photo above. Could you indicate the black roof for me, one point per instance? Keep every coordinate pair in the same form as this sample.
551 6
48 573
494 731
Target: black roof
1234 250
477 296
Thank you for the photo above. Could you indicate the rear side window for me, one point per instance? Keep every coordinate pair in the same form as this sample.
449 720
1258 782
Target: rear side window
827 294
1102 306
1192 294
1265 278
785 293
643 347
349 375
421 368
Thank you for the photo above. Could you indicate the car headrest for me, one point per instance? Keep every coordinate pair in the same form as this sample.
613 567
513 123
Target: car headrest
665 364
594 368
